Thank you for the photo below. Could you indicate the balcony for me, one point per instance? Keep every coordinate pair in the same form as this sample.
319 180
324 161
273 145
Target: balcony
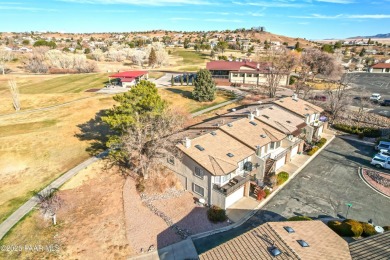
233 185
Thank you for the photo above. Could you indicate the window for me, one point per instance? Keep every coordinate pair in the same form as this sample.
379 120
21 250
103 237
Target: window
272 146
289 229
303 243
199 147
242 75
199 173
225 178
171 160
249 75
198 190
277 144
235 75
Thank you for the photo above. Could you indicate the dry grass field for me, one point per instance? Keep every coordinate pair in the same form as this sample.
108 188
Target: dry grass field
180 98
90 224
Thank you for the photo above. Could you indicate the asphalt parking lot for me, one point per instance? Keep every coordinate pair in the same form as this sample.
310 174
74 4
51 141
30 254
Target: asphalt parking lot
372 83
321 189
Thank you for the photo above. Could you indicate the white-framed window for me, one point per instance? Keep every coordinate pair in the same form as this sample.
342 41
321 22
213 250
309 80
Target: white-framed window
277 144
171 159
272 146
225 178
242 75
249 75
235 75
198 190
241 164
199 173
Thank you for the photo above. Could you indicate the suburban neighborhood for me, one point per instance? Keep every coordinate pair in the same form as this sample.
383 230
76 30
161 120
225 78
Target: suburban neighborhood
203 140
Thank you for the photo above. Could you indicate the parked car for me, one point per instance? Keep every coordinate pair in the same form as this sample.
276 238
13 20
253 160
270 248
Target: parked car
384 152
386 102
375 97
381 161
383 145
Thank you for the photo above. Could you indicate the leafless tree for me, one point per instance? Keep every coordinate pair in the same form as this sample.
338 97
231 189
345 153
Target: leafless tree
150 139
363 103
13 87
312 63
36 62
49 203
280 63
337 92
5 56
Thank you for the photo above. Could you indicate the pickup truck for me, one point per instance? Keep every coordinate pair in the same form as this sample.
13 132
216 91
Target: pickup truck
381 161
375 97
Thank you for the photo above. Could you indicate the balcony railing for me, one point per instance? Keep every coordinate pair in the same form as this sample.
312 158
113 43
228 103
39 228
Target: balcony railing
220 76
233 185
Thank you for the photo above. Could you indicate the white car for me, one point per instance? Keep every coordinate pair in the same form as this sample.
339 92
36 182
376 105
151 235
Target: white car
381 161
375 97
383 145
385 152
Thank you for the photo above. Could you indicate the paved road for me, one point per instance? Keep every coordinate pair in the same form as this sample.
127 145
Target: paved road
372 83
31 203
321 189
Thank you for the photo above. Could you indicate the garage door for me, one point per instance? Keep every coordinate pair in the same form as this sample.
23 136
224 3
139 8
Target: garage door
280 162
294 151
320 130
234 197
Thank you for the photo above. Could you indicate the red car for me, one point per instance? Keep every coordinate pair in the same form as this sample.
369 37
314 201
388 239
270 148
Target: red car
319 98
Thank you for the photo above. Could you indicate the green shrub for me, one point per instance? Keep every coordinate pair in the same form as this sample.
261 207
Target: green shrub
351 228
335 226
299 218
313 150
366 131
282 177
368 230
216 214
321 142
267 193
386 228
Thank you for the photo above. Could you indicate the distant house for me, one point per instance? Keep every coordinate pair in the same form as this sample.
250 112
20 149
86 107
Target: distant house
285 240
380 68
242 72
128 79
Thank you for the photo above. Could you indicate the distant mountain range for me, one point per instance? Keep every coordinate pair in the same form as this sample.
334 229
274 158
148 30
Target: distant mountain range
385 35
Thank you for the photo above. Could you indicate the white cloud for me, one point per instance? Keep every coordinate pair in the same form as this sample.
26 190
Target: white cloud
142 2
344 16
223 20
337 1
281 3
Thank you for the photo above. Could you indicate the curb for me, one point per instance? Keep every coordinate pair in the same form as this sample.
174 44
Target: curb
264 202
360 173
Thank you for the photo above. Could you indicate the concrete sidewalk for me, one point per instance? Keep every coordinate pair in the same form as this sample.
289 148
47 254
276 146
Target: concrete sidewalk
182 250
31 203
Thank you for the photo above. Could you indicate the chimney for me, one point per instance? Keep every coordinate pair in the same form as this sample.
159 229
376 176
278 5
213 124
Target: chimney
295 97
258 150
187 142
258 66
251 117
257 112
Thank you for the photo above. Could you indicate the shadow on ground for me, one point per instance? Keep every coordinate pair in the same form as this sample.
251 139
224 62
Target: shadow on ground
95 131
184 93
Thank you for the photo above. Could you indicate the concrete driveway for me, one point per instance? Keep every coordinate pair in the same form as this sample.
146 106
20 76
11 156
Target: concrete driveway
321 189
164 81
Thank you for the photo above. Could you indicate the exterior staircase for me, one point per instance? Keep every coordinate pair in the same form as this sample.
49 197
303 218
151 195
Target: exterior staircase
269 165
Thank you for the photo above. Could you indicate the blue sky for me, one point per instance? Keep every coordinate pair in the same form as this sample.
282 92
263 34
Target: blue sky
311 19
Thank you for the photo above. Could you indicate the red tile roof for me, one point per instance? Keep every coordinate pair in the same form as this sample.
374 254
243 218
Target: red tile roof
129 74
381 66
229 65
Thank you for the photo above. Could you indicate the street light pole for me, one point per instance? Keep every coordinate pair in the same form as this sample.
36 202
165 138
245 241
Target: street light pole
349 205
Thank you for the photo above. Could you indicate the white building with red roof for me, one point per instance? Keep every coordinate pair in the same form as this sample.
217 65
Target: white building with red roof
242 72
381 68
128 79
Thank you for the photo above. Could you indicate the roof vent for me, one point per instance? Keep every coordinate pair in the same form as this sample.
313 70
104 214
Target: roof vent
288 122
199 147
289 229
213 133
303 243
271 108
253 123
263 136
275 251
266 116
230 125
230 155
306 108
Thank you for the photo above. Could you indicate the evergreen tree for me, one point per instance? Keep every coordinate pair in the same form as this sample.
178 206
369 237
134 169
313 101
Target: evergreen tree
181 80
188 79
204 89
172 81
152 58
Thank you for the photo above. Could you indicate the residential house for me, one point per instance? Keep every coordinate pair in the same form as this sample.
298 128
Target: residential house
373 247
304 240
307 111
211 169
380 68
128 79
242 72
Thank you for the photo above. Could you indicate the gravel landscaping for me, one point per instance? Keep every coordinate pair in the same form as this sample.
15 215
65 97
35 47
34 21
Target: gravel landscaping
377 180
